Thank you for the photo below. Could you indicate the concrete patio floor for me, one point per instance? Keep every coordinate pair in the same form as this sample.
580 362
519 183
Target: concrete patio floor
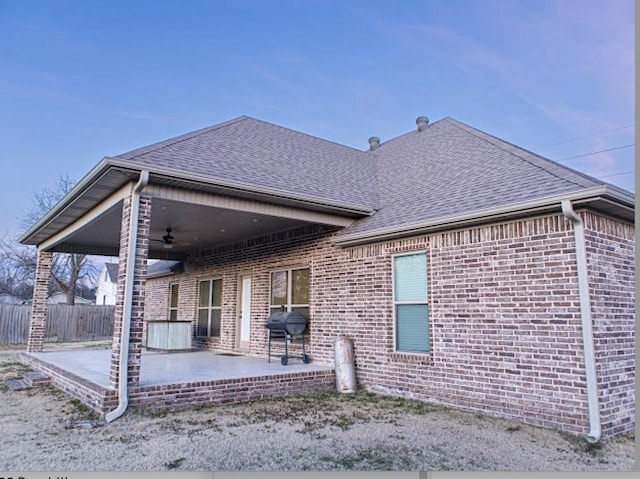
158 368
173 380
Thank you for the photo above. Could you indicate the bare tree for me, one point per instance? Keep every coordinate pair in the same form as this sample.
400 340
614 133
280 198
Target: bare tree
69 272
17 268
42 201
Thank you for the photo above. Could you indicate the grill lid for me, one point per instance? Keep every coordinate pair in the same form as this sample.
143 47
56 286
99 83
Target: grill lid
291 322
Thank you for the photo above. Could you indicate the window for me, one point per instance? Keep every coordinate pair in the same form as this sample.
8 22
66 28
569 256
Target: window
411 310
173 302
209 302
290 288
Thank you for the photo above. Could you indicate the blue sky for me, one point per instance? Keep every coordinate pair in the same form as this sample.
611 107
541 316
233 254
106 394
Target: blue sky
80 80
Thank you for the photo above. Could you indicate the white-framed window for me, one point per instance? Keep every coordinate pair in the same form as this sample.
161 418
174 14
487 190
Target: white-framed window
410 303
290 288
209 308
173 301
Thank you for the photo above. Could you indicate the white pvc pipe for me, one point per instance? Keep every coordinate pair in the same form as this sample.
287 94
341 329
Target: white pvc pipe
587 329
123 392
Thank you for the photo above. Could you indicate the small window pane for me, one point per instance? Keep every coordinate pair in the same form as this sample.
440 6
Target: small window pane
203 323
204 294
410 273
412 331
174 296
300 286
279 287
215 323
216 299
173 315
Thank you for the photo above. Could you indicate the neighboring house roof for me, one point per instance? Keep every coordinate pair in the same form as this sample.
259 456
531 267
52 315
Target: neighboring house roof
112 272
61 297
6 298
154 269
163 268
443 175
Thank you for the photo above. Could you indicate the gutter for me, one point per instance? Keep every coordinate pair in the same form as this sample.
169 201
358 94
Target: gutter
538 205
595 431
123 392
89 179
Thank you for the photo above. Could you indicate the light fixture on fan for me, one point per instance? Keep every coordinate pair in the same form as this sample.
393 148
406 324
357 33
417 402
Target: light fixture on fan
168 241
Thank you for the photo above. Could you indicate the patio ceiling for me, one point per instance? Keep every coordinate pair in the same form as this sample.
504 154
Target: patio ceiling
201 215
195 227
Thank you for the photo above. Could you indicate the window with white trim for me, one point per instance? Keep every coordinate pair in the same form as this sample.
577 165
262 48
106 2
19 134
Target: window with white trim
173 301
410 302
209 308
290 288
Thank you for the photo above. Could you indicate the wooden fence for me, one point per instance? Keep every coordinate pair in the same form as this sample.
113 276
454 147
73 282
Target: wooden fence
64 323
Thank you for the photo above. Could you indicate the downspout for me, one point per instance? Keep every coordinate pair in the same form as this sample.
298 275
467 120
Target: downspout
587 329
123 393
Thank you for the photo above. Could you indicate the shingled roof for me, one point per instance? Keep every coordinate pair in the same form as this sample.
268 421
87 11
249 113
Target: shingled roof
450 169
446 174
257 154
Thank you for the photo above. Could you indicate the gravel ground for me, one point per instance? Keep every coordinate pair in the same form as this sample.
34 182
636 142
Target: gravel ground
44 429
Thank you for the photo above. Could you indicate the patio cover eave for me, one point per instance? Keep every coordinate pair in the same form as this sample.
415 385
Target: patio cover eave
111 174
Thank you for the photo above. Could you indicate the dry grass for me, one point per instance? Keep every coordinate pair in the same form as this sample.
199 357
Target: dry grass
45 429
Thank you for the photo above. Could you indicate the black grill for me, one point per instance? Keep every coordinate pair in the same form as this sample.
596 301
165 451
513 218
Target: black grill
288 327
291 323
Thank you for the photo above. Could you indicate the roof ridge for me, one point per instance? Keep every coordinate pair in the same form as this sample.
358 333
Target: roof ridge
307 134
180 138
410 132
498 143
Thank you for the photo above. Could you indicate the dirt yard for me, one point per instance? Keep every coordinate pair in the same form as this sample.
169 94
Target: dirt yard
44 430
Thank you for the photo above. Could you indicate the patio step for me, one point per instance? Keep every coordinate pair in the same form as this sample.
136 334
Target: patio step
31 379
17 384
35 378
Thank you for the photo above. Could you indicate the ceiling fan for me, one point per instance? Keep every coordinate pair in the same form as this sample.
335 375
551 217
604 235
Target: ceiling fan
168 241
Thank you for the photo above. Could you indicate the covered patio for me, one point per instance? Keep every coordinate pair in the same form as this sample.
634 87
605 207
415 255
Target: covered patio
179 379
194 199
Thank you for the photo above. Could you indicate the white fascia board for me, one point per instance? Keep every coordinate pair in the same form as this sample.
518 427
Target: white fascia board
502 212
90 178
96 211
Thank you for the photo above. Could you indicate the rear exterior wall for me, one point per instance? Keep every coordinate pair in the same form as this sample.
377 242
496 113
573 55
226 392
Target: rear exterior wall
505 324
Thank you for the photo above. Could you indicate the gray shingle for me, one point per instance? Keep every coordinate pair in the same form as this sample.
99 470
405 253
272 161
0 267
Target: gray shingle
450 169
112 271
260 154
162 267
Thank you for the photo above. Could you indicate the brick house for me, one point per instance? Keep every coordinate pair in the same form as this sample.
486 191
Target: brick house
468 271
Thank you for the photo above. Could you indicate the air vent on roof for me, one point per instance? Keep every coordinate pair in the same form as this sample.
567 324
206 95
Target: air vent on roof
422 122
374 142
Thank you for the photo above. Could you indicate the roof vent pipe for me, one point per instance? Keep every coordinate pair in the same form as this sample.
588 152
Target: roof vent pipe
422 122
374 142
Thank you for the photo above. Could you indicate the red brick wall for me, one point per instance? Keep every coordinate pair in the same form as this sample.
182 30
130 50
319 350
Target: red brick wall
611 263
505 325
39 308
504 311
138 293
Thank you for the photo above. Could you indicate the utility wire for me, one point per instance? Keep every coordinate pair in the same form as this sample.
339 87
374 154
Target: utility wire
585 136
596 152
618 174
